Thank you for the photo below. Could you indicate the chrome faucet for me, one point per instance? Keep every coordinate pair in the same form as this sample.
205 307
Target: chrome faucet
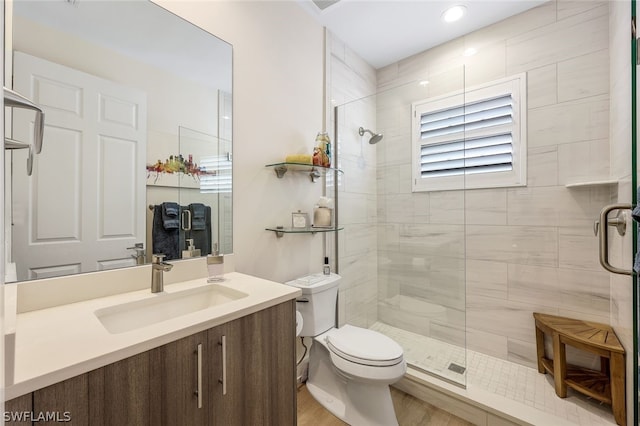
140 254
158 266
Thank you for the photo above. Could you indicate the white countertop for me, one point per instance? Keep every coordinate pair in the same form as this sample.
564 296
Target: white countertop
61 342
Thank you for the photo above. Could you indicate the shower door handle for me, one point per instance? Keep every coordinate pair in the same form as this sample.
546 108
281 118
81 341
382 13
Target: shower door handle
602 225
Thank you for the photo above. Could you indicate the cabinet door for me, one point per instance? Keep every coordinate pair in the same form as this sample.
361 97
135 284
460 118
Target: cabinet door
259 369
226 374
180 370
15 408
67 400
120 393
269 369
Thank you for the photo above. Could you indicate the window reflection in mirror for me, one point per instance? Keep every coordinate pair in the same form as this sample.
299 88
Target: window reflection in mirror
126 87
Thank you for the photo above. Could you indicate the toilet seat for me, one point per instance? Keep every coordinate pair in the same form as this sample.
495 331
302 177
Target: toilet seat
362 346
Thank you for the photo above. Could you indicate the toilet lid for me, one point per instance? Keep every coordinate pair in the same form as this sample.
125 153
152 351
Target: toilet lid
364 346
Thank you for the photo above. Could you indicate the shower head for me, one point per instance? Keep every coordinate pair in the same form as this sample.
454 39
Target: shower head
375 137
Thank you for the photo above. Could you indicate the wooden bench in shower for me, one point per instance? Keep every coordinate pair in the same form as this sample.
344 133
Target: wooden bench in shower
606 385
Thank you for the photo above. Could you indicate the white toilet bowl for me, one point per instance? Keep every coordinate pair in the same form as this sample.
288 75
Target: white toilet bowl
350 370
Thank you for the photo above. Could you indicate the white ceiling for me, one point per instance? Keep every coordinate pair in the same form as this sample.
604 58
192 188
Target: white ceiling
380 31
141 30
385 31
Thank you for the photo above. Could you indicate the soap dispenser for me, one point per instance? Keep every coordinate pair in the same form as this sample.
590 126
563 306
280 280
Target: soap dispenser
215 265
191 250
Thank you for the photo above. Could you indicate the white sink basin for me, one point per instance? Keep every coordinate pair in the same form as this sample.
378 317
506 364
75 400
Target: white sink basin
164 306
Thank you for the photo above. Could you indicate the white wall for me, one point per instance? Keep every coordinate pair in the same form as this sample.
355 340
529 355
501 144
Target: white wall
159 85
277 94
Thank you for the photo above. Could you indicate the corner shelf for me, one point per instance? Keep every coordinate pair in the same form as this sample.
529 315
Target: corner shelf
280 231
314 171
603 182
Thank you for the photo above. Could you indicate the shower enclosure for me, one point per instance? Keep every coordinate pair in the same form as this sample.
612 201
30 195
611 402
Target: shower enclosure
454 273
402 253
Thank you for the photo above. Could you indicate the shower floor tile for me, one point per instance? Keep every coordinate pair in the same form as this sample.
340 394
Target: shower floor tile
497 376
431 355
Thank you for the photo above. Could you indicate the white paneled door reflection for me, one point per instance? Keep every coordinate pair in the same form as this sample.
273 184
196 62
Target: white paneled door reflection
84 204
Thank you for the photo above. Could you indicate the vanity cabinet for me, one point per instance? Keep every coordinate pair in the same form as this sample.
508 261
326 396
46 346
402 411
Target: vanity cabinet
260 369
21 404
52 404
239 373
180 371
118 394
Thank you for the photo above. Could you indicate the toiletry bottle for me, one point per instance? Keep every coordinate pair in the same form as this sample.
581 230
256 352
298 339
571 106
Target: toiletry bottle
215 265
322 139
326 269
191 250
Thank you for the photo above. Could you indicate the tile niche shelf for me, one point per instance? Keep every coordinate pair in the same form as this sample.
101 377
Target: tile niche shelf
314 172
585 184
280 231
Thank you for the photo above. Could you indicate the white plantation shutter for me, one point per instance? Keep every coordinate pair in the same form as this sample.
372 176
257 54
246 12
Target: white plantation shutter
219 181
479 134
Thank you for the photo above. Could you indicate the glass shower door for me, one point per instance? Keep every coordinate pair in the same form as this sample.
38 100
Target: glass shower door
402 251
635 116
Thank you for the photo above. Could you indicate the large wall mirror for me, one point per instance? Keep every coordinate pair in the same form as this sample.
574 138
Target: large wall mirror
136 156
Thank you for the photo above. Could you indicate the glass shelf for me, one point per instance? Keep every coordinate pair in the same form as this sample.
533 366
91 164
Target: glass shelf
280 231
314 171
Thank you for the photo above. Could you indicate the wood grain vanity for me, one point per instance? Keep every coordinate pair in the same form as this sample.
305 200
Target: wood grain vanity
238 372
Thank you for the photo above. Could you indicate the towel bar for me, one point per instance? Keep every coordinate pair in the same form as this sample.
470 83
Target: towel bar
15 100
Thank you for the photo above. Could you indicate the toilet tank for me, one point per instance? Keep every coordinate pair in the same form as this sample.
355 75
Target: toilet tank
317 305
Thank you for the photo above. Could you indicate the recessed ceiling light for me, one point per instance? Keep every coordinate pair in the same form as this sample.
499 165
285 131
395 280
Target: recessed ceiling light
454 13
470 51
423 83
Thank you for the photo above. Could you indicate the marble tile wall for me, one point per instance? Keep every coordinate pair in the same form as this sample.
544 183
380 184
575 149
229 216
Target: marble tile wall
485 260
352 86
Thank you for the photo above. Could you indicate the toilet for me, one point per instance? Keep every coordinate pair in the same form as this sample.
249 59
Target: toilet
350 368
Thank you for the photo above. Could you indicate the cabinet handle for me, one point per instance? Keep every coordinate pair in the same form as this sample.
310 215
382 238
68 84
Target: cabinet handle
199 390
223 343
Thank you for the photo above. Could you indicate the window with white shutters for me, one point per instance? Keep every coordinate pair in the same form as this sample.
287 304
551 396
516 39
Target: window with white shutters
219 177
471 139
